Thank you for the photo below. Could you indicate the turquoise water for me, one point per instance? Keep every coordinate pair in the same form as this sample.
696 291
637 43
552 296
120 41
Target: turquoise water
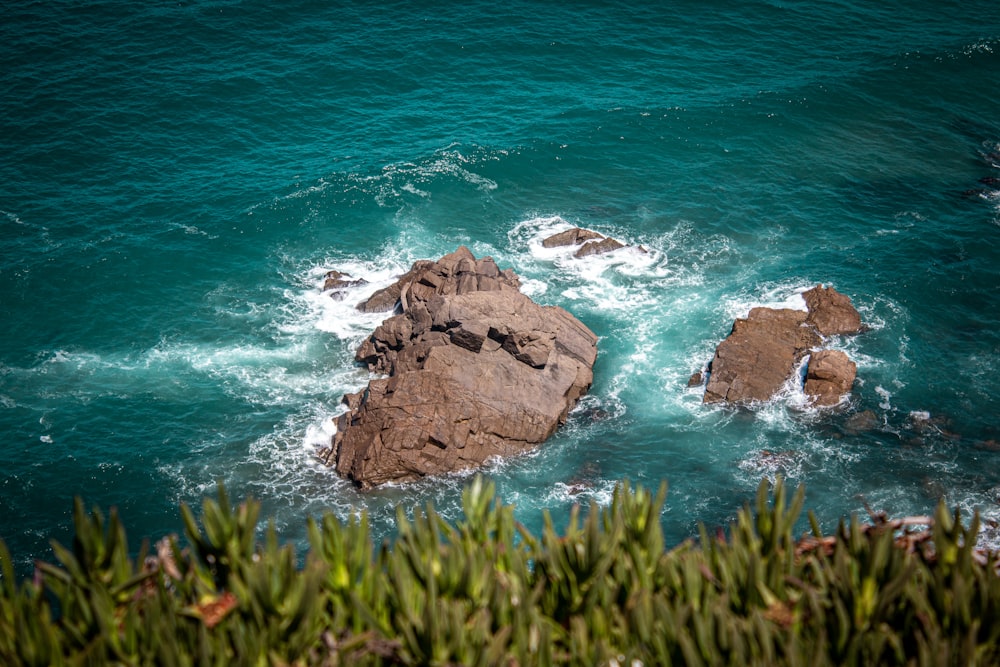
175 179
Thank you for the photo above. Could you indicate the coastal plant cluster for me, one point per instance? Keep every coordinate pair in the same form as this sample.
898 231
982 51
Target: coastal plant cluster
485 591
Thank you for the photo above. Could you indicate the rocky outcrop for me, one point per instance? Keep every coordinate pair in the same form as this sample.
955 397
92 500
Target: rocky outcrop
457 273
829 376
475 370
759 355
831 312
763 351
590 242
598 247
574 236
337 283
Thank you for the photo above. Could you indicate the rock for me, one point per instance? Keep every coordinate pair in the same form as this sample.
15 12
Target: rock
336 283
387 298
829 376
475 370
457 273
861 422
831 312
759 355
598 247
593 243
574 236
695 379
762 351
335 280
990 445
925 424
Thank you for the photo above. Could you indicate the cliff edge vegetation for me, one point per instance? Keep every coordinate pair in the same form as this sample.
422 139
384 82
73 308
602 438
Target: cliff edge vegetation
605 590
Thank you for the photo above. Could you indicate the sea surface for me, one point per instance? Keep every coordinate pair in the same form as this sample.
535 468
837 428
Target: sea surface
177 177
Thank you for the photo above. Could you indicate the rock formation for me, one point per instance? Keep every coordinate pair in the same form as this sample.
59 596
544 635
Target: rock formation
829 376
762 352
475 370
336 283
590 242
831 312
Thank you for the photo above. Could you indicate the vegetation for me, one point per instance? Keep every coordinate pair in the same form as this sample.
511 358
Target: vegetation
485 591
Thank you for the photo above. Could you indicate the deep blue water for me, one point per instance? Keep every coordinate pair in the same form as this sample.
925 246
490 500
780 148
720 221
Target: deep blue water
176 178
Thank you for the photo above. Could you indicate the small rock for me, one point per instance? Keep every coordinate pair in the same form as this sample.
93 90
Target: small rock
831 312
861 422
829 376
598 247
574 236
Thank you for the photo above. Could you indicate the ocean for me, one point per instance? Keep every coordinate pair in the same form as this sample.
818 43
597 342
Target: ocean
176 179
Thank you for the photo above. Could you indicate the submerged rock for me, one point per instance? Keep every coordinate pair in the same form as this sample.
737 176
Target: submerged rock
763 351
475 370
861 422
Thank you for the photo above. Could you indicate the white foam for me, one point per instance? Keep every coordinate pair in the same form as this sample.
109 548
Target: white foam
886 396
60 357
770 464
600 491
627 281
784 295
319 434
337 314
12 217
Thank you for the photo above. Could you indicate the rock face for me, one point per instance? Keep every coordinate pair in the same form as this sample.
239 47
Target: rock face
759 355
475 370
829 376
590 242
831 312
762 352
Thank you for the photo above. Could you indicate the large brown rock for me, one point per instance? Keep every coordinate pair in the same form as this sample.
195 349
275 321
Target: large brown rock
763 351
475 370
829 376
759 355
831 312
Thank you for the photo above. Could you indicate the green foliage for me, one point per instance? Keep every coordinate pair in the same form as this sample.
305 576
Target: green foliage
485 591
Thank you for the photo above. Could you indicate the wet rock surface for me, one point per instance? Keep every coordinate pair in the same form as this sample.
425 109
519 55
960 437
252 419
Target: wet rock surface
829 376
590 242
475 369
764 349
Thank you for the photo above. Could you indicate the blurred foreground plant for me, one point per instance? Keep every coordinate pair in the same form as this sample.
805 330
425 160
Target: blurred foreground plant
485 591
